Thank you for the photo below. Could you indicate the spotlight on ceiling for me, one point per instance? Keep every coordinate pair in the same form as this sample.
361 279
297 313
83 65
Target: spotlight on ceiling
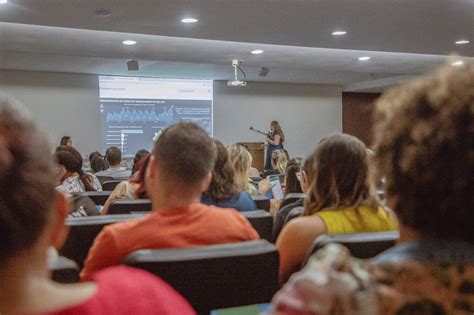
129 42
462 42
256 52
189 20
364 58
103 13
339 33
458 63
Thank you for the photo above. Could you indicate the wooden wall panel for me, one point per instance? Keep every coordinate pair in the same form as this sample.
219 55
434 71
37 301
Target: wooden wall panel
357 111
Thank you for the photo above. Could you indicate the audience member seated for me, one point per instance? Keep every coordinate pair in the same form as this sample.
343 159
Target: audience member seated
292 183
179 171
223 191
97 162
281 216
424 136
72 179
139 156
66 141
113 155
279 163
340 199
134 188
32 220
241 161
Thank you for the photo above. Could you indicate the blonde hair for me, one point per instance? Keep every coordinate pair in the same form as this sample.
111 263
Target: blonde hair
280 160
339 176
241 161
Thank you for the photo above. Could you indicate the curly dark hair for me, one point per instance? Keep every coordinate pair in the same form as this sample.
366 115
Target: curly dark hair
223 184
424 140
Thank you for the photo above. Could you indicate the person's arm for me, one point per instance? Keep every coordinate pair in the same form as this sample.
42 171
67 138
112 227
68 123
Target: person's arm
276 140
118 193
103 253
293 242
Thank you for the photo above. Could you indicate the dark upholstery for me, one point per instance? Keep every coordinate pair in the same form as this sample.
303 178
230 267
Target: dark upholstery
129 206
361 245
262 222
83 231
281 217
262 202
291 198
110 184
63 270
216 276
103 179
99 197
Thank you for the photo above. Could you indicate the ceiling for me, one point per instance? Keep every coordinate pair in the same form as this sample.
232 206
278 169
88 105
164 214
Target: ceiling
405 38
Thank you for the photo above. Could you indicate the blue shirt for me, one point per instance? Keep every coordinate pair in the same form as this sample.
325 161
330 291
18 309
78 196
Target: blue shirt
241 202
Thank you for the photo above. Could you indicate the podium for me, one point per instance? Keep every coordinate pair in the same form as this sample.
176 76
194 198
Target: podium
257 151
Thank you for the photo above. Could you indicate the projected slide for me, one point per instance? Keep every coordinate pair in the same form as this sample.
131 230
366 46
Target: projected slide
134 110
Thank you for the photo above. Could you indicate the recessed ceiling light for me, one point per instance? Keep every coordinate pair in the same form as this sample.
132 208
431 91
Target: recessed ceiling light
364 58
458 63
103 13
3 1
339 33
462 42
129 42
189 20
256 52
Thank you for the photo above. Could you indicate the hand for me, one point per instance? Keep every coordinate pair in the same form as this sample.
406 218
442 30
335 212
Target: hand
264 186
59 173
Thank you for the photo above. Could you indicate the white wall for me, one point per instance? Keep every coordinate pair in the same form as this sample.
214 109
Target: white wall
68 104
306 113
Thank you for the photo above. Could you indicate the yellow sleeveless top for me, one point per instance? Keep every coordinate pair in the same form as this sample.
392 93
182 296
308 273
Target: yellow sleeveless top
360 220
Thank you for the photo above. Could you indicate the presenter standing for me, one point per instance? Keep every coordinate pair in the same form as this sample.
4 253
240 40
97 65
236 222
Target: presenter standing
275 141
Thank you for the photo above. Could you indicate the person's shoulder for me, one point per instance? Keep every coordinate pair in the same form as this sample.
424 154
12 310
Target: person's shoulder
139 291
303 225
122 228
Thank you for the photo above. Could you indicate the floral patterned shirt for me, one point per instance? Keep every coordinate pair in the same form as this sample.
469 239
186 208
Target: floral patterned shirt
420 277
74 184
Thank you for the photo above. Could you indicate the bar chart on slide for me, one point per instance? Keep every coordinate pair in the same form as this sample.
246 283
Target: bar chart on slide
135 112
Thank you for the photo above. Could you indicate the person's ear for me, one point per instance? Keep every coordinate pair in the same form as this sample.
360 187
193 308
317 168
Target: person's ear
151 169
206 183
62 206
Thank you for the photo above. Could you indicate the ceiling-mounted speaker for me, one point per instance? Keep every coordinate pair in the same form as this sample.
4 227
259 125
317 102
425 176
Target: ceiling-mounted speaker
263 71
132 65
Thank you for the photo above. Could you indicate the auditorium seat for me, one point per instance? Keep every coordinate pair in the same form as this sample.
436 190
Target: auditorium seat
262 202
63 270
83 231
262 222
361 245
216 276
129 206
99 197
110 184
103 179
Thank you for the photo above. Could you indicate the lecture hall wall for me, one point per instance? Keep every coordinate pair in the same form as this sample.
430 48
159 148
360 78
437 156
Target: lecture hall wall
68 104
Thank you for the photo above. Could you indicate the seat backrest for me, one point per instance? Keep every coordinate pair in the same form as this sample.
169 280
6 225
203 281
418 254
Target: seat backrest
216 276
262 202
128 206
83 231
361 245
262 222
99 197
110 184
103 179
63 270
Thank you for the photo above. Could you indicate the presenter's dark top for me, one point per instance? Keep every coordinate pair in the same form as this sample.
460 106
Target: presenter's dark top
279 146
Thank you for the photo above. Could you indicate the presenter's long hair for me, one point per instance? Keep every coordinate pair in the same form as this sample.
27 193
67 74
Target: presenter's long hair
241 161
277 129
340 176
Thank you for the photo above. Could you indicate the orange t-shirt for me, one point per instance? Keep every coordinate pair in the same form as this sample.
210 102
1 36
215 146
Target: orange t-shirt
196 225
